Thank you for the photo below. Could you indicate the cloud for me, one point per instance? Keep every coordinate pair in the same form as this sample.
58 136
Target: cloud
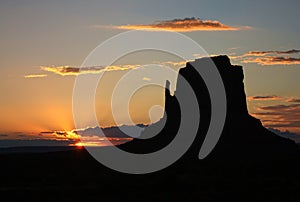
183 25
264 97
268 58
146 79
273 60
59 135
63 135
116 132
94 136
29 76
293 100
74 71
281 107
234 48
263 53
177 64
70 70
285 116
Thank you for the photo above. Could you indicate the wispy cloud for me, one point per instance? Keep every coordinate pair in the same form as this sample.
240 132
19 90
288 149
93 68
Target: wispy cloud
281 107
67 70
273 60
30 76
60 135
284 116
234 48
270 57
61 70
264 97
70 70
177 64
93 136
146 79
293 100
182 25
262 53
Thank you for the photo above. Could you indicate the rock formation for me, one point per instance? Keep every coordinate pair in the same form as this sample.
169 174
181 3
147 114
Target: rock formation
243 135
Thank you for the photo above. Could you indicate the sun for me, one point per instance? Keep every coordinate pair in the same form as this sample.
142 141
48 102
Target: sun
79 144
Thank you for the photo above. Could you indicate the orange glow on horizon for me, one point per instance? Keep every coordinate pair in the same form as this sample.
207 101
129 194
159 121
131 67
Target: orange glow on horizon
100 142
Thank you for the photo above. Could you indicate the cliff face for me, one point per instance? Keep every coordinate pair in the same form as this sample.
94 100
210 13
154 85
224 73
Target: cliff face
243 135
232 77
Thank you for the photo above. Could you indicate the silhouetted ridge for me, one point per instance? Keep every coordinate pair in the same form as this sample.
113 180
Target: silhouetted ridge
242 134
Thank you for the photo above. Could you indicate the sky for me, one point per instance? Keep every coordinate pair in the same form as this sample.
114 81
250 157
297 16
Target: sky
44 42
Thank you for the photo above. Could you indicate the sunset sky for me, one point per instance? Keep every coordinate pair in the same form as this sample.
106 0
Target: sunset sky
43 44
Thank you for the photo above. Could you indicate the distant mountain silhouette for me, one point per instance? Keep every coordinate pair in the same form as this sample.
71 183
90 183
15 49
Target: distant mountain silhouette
286 134
242 134
113 131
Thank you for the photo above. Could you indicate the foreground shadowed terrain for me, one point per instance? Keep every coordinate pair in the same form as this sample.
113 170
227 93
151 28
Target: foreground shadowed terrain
249 162
70 175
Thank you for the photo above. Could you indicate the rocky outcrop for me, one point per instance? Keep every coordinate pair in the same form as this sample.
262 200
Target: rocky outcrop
243 135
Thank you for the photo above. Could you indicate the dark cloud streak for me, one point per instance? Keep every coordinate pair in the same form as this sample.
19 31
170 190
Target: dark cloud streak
262 53
264 97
